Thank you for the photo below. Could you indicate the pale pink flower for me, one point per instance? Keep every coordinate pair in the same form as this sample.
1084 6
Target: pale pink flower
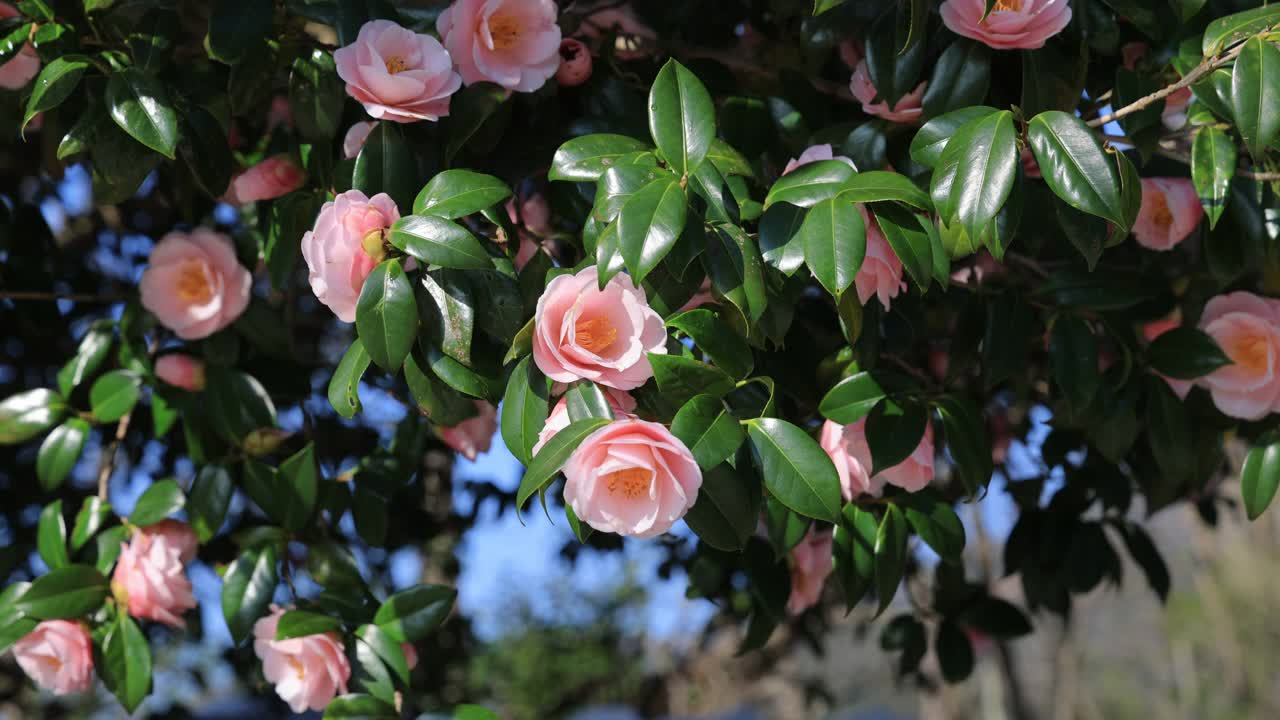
631 477
308 671
472 436
814 153
194 284
908 109
355 138
276 176
1012 24
583 332
24 65
150 578
847 447
337 250
622 404
58 656
881 271
1170 211
181 371
1247 328
513 43
810 566
575 63
397 74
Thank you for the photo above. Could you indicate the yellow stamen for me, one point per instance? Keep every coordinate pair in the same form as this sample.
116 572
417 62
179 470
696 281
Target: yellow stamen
297 666
505 31
1250 351
193 284
372 245
595 335
1007 6
1160 213
632 482
396 65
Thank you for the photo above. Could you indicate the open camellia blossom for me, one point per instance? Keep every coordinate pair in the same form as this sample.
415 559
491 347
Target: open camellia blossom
150 577
344 247
24 65
194 284
1012 24
631 477
308 671
810 566
1247 328
181 371
513 43
1170 211
847 447
276 176
472 436
623 405
908 109
58 656
397 74
583 332
881 271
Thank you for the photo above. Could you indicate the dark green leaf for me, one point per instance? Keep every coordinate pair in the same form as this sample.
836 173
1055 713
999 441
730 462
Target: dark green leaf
1186 353
524 409
585 400
27 414
1073 354
413 614
455 193
733 263
387 315
995 617
893 432
59 453
834 239
985 161
300 623
297 488
54 84
474 113
780 243
960 78
51 536
1228 30
208 156
208 501
1213 164
682 117
893 64
386 164
876 185
906 234
114 395
708 429
237 25
93 512
552 456
67 592
955 653
931 140
126 662
890 555
1075 166
853 552
810 184
1255 95
345 383
680 378
92 350
967 440
727 510
247 587
649 223
437 241
158 502
140 106
1259 478
316 95
359 707
586 158
795 468
728 350
936 523
852 399
387 649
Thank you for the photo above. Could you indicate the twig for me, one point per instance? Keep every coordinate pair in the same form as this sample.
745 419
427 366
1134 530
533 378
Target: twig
1205 67
108 463
51 296
1185 159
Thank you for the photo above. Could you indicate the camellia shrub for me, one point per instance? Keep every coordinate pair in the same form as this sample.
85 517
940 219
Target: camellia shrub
798 276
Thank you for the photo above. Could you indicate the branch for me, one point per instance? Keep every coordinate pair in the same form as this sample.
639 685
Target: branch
108 463
1248 173
1205 67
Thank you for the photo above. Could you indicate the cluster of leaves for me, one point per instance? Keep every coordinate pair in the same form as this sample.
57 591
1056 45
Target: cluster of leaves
445 319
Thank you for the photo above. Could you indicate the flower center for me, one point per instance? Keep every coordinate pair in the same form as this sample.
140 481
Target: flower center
54 663
372 245
1007 6
193 285
1250 351
632 482
297 666
1160 214
595 335
505 31
397 64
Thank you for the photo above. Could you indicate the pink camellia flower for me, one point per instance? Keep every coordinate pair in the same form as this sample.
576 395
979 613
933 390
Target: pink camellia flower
814 153
881 271
344 246
623 405
810 566
575 63
410 655
149 578
181 371
1174 115
1247 328
354 140
1012 24
472 436
177 534
276 176
583 332
631 477
851 52
633 38
908 109
193 283
24 65
307 671
847 447
1170 211
514 43
397 74
1155 329
58 656
534 213
280 114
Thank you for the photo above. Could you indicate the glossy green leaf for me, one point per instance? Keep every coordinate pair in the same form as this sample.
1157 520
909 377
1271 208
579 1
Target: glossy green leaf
67 592
586 158
960 78
585 400
931 140
649 223
476 118
92 350
834 239
437 241
851 399
113 395
126 662
237 25
853 552
905 233
477 383
356 706
54 84
316 95
300 623
893 64
388 650
1073 356
412 614
456 193
936 523
59 453
51 536
780 243
386 164
1255 95
733 263
387 315
984 156
795 468
140 106
1186 353
448 312
680 378
93 513
158 502
682 117
344 386
552 457
1259 478
876 185
727 510
27 414
967 439
1074 165
894 431
1213 164
810 184
208 501
712 336
708 429
1228 30
524 409
207 153
955 652
247 588
890 555
728 160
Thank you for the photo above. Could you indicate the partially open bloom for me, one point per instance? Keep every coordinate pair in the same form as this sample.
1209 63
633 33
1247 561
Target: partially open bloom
575 63
181 371
1170 211
847 447
810 566
583 332
814 153
355 138
631 477
397 74
881 271
622 404
513 43
58 656
1247 328
307 671
1012 24
194 284
344 246
150 578
907 109
24 65
472 436
276 176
